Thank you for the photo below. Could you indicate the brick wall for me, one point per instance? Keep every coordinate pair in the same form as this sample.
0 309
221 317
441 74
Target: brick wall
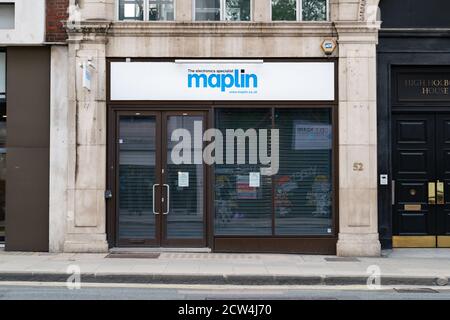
56 12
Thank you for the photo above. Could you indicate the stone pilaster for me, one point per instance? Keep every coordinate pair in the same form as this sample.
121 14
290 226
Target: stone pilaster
98 10
261 11
86 214
183 11
358 227
58 147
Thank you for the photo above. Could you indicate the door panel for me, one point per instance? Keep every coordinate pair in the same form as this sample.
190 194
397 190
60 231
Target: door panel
138 156
421 168
413 167
443 168
184 180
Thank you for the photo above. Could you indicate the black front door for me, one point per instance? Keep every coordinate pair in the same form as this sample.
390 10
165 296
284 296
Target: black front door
159 201
443 183
421 174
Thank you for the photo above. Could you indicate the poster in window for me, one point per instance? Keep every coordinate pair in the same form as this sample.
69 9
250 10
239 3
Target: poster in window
183 179
254 179
244 191
312 136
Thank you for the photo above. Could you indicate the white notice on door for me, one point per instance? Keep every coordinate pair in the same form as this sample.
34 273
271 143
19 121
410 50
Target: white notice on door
254 180
183 179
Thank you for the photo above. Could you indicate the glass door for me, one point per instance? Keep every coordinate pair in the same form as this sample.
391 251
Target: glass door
138 179
160 179
183 179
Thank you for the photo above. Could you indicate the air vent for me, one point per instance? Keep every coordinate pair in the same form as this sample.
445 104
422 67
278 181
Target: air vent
150 255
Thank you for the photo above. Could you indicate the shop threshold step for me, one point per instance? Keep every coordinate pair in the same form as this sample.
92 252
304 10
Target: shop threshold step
158 250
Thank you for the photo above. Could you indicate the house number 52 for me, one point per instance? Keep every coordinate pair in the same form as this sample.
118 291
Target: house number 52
358 166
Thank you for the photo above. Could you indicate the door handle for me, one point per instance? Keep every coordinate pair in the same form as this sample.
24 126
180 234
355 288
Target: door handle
168 199
440 192
393 192
431 193
154 196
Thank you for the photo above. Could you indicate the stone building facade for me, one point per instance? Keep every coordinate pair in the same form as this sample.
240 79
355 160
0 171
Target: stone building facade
81 219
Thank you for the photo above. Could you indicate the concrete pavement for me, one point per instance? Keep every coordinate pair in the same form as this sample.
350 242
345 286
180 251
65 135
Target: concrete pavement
211 293
399 267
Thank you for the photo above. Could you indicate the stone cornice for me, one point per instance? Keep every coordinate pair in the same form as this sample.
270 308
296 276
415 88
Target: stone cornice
357 32
357 26
202 29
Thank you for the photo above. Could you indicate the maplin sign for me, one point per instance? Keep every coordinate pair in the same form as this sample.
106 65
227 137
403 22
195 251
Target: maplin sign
224 80
215 81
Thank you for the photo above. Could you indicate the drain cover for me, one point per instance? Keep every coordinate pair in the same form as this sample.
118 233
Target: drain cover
133 255
416 290
342 259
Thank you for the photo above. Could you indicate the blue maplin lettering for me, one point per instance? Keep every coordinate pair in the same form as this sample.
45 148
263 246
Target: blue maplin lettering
223 81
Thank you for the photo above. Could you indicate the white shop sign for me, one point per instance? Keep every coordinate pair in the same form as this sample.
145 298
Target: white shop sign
268 81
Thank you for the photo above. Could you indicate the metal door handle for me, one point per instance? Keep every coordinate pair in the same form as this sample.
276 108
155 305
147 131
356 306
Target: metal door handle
168 199
431 193
154 196
440 192
393 192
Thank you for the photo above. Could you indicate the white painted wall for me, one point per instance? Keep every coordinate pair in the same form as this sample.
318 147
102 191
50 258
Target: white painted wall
29 23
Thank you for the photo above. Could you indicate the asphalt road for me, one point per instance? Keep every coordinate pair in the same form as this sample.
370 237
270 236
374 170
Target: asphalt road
45 291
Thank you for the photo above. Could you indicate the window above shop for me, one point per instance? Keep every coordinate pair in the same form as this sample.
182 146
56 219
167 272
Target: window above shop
7 15
218 10
300 10
223 10
146 10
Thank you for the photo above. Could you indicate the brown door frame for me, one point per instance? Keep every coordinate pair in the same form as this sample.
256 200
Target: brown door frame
161 114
